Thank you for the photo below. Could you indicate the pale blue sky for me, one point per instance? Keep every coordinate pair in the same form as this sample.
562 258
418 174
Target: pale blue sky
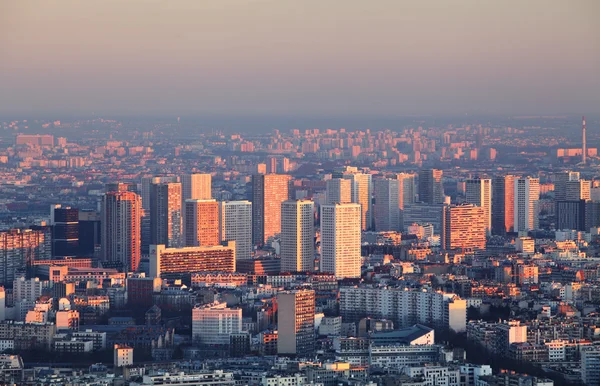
373 57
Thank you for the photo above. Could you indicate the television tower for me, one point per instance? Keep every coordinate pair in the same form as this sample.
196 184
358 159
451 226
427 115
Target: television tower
584 147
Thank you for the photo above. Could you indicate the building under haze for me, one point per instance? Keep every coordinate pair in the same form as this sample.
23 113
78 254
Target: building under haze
297 236
361 192
201 222
478 192
268 192
341 240
431 188
166 220
338 191
503 204
235 224
387 204
196 186
121 229
406 189
526 199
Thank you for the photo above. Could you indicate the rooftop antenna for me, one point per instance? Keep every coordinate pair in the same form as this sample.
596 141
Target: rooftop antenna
584 146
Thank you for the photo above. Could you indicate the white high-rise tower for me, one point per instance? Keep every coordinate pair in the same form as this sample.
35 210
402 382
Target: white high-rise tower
235 224
297 236
340 239
479 192
527 195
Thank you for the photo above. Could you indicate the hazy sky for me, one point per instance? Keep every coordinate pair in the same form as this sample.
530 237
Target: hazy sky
366 57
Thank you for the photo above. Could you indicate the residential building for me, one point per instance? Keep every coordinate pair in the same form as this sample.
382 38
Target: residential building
526 199
478 192
236 225
201 222
177 261
464 227
268 192
431 188
296 322
297 236
341 240
166 220
213 324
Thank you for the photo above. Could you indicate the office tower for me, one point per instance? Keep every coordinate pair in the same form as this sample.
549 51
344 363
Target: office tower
590 365
560 181
431 188
478 192
527 195
146 187
464 227
387 204
338 190
503 204
572 215
340 240
214 323
407 189
419 213
196 186
201 222
121 229
90 225
271 165
268 192
296 322
166 214
174 262
297 236
361 193
65 231
18 249
578 190
235 219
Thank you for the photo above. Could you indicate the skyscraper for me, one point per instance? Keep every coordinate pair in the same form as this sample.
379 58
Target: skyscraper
65 231
296 322
578 190
431 188
201 222
526 199
236 225
479 192
268 192
340 239
503 204
407 189
121 229
196 186
387 204
338 190
560 181
464 227
166 221
297 236
146 187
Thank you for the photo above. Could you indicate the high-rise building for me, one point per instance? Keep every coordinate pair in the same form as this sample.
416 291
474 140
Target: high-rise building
338 190
196 186
18 249
590 365
464 227
213 324
65 231
361 193
431 188
201 222
268 192
572 215
90 232
387 204
341 239
478 192
165 262
146 187
560 181
407 189
296 322
297 236
420 213
503 204
527 195
235 219
121 229
578 190
166 221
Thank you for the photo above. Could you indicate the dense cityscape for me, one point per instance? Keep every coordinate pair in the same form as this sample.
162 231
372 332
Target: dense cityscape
462 253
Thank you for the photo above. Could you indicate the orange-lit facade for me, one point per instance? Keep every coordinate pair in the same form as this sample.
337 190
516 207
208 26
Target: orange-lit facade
464 227
201 223
174 261
268 192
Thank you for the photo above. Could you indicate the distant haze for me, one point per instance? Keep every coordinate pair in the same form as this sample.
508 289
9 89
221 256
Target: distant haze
280 57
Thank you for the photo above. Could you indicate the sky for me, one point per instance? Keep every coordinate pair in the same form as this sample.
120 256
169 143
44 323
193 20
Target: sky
299 57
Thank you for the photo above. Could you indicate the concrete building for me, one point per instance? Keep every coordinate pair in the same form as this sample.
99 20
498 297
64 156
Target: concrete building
478 192
20 247
296 322
196 187
268 192
526 199
590 365
407 189
361 193
297 236
387 204
27 289
122 355
201 223
213 324
464 227
560 181
177 261
419 213
236 225
341 240
431 188
503 204
121 229
166 222
338 190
